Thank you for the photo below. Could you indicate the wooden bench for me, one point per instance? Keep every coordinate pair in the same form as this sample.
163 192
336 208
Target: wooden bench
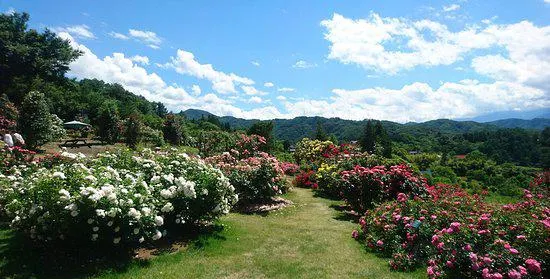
73 143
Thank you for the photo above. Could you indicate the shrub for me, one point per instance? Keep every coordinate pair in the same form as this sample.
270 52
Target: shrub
256 179
328 180
306 179
132 131
289 168
108 122
124 198
35 121
363 187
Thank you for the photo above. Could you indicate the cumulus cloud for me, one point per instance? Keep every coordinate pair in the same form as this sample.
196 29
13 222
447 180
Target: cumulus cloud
144 60
286 89
185 63
269 84
302 64
117 35
149 38
80 31
255 63
196 90
281 98
450 8
251 90
255 100
368 42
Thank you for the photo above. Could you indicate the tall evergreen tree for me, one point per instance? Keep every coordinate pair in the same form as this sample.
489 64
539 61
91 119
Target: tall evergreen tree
369 138
320 133
383 140
35 121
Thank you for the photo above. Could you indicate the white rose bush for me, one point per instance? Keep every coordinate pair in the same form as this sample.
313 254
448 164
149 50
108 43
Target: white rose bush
115 199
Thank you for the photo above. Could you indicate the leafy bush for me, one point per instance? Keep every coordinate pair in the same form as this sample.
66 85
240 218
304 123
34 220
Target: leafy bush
289 168
306 179
460 235
364 187
256 179
122 198
328 180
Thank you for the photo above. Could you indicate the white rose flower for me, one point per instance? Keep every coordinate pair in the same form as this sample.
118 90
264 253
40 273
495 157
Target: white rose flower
116 240
159 221
59 175
157 235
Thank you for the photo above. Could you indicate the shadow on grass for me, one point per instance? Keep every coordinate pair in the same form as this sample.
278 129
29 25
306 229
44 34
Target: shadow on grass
325 195
344 213
19 258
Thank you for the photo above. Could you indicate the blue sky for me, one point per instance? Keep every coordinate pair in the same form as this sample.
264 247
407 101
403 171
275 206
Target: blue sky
394 60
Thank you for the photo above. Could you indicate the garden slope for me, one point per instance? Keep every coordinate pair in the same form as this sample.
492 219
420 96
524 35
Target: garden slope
306 240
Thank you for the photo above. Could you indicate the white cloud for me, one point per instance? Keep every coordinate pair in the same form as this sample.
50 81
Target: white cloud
269 84
196 90
144 60
302 64
145 36
79 31
286 89
281 98
184 63
368 42
547 1
255 63
10 11
149 38
118 36
251 90
450 8
255 100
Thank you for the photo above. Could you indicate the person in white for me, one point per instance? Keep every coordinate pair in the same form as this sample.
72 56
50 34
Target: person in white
8 140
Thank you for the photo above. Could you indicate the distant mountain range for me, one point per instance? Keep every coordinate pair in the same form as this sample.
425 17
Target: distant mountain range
347 130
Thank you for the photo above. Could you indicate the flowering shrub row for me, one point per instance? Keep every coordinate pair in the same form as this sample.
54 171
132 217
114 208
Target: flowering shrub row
363 187
289 168
256 179
116 198
461 236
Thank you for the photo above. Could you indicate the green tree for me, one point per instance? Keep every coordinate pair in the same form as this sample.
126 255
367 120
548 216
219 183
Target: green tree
383 140
320 133
108 122
28 55
368 138
132 131
264 129
172 130
160 110
35 121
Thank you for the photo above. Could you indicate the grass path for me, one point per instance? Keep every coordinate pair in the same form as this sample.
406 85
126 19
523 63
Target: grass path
306 240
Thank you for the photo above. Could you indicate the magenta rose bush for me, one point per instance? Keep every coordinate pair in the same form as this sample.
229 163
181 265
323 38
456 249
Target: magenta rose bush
363 187
460 236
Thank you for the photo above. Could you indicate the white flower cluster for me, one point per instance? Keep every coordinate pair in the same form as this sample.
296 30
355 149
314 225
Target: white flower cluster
116 197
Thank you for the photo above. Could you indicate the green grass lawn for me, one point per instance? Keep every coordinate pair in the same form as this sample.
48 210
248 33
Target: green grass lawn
306 240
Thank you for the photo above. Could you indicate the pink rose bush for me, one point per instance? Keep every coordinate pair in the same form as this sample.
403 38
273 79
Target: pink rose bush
459 235
362 187
289 168
256 179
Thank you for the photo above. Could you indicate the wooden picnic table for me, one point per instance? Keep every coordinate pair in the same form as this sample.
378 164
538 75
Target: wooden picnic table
72 143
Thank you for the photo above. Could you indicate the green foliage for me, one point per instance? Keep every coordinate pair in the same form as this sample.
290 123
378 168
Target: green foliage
264 129
28 55
368 138
57 130
172 130
132 131
35 121
108 120
151 136
320 133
